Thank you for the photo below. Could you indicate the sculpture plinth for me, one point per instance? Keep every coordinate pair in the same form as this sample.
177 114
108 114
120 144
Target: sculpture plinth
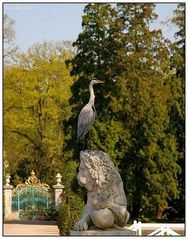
106 206
94 231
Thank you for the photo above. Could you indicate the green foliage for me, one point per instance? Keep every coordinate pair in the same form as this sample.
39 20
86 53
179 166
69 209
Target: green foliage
36 101
69 213
179 20
134 104
177 106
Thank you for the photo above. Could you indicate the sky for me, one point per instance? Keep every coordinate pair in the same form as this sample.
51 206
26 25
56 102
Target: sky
62 21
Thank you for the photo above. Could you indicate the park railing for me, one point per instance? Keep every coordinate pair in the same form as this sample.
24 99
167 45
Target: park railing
158 229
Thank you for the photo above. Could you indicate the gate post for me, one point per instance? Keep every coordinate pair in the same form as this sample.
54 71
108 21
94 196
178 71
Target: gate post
8 198
58 189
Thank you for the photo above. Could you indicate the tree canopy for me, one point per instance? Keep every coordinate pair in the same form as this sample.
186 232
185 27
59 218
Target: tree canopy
36 101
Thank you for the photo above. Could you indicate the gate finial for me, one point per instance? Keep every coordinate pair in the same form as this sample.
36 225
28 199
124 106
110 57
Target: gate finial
58 179
7 180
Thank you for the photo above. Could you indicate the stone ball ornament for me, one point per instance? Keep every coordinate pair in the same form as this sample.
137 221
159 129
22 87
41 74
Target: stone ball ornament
106 205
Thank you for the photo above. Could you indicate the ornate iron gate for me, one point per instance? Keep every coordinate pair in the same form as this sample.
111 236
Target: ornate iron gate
32 199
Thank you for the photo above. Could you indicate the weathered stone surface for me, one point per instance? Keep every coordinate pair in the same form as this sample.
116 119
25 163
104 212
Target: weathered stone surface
106 201
93 231
58 190
8 200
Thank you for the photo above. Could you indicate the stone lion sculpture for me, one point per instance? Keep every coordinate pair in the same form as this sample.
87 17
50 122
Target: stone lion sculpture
106 201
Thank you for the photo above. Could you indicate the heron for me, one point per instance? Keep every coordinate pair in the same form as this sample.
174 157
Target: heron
87 115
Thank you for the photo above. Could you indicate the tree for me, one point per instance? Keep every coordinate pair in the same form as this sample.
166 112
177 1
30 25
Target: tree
134 127
36 100
10 50
147 69
177 106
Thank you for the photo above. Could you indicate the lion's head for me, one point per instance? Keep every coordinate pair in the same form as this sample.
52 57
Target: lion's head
98 172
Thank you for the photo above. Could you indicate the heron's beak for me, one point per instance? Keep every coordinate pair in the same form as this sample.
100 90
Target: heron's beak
100 81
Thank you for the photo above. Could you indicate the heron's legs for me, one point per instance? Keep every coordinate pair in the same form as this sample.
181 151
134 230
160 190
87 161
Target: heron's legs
86 141
83 142
89 139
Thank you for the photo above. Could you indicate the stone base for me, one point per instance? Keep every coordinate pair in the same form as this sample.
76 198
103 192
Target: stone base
93 231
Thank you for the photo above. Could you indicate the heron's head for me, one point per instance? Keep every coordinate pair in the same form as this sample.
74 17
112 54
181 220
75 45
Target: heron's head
96 82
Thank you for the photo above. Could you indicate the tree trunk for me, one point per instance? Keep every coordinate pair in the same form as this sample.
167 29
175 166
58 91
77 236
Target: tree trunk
159 212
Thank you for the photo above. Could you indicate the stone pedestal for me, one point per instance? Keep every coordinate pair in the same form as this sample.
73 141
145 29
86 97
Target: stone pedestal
58 190
8 201
93 231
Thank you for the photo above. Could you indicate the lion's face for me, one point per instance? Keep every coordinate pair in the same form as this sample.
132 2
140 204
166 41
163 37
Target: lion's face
84 177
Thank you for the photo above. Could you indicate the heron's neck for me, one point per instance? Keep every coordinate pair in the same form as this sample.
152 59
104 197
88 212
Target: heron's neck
92 95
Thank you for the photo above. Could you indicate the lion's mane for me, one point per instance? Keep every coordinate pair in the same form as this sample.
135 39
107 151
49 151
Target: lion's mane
105 176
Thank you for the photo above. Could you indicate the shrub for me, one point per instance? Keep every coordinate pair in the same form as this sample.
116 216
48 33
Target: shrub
39 213
69 212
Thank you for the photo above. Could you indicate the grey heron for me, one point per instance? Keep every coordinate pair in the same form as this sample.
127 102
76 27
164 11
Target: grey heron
87 115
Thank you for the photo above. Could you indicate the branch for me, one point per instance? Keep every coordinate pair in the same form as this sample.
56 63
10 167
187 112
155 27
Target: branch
36 147
18 107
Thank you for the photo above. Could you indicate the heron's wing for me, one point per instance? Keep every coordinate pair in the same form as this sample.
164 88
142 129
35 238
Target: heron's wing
86 119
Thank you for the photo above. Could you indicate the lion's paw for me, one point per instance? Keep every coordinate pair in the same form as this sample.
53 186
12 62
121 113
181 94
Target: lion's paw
81 225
